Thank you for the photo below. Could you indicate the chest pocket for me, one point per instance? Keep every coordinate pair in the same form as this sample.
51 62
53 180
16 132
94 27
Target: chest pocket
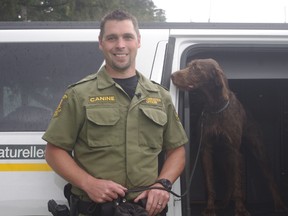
152 122
103 127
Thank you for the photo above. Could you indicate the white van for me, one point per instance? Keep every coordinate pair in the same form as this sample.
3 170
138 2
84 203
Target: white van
38 61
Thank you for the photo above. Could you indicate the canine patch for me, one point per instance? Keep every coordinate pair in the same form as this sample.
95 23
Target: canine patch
101 99
59 107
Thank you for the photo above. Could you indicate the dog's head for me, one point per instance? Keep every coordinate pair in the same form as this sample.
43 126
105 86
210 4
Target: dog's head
200 73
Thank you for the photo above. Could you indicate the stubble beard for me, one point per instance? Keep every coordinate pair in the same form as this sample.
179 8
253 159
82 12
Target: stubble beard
121 67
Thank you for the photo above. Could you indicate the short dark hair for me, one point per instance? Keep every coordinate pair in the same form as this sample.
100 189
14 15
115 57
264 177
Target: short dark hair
118 15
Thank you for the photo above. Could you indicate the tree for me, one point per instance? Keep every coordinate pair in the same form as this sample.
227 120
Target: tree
76 10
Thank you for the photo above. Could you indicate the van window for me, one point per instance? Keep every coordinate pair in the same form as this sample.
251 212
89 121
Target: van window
34 77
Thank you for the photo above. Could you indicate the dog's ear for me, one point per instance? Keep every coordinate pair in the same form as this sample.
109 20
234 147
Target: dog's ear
221 81
220 78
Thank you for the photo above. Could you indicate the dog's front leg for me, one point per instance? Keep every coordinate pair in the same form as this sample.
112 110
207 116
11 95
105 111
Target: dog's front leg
207 165
238 193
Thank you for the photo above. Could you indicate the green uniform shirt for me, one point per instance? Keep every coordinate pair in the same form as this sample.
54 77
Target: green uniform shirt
111 136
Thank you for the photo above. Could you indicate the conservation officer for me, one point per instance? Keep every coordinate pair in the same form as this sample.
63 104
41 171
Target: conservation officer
116 122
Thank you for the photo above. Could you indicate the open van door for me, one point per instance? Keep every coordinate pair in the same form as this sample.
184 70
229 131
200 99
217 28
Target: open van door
254 59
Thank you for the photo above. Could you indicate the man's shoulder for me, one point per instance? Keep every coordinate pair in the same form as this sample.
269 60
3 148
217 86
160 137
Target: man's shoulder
162 89
90 77
159 85
152 83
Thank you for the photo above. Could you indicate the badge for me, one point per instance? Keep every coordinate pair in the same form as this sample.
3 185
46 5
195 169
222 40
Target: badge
59 107
102 99
154 101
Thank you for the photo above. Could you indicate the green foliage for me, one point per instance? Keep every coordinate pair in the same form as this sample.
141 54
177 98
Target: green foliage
76 10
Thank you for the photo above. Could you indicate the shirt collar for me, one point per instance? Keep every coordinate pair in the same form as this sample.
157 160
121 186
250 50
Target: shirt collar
107 81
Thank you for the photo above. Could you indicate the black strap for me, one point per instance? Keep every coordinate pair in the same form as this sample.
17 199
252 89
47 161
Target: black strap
149 187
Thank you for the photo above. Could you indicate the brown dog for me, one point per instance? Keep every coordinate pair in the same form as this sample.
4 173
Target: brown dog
223 121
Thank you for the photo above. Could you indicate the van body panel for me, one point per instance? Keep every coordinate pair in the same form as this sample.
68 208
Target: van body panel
27 182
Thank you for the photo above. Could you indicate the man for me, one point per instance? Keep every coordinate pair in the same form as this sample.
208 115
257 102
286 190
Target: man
116 122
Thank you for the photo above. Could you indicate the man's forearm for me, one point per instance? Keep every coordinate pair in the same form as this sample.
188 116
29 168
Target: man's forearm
174 164
64 165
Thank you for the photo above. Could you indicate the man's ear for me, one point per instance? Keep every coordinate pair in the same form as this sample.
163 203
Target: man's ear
139 40
100 42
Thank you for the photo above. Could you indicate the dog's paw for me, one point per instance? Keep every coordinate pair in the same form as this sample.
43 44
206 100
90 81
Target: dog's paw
242 212
281 208
209 212
282 211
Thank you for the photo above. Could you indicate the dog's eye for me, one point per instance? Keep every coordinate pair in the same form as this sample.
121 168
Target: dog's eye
196 70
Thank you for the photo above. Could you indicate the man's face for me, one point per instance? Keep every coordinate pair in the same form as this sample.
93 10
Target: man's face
119 44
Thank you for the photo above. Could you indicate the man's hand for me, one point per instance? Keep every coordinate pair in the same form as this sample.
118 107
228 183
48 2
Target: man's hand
101 191
98 190
172 168
156 200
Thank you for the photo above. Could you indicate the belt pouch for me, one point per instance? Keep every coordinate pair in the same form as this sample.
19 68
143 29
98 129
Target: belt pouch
74 205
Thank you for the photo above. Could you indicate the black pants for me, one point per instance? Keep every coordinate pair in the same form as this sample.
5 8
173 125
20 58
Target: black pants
114 208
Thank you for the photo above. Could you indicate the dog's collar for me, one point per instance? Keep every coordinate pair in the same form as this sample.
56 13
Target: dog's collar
218 111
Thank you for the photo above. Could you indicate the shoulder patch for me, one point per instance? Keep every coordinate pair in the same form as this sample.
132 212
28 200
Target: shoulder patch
59 107
176 115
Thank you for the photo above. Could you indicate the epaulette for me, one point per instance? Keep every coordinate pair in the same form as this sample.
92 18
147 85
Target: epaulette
85 79
159 85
